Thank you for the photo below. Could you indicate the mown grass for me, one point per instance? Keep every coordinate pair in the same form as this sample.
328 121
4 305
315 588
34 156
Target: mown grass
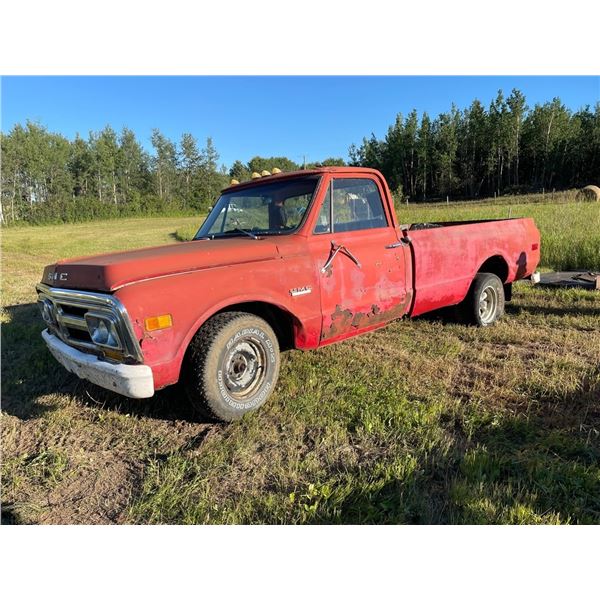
425 421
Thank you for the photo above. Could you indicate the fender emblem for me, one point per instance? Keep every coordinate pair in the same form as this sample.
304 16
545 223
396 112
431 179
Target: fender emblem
301 291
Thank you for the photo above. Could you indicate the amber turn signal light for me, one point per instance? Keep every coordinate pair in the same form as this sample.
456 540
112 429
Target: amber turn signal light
112 354
160 322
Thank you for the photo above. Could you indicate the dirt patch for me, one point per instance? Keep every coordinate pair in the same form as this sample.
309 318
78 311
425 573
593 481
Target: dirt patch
96 492
83 459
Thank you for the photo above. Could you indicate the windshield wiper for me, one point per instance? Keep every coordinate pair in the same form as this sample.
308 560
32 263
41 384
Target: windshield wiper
244 231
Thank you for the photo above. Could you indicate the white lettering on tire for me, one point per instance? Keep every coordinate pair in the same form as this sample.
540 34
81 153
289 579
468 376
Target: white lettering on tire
265 390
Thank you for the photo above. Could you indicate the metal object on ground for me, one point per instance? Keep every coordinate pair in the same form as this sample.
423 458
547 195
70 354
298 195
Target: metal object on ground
587 280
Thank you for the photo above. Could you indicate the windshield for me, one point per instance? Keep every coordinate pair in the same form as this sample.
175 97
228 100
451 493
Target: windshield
272 208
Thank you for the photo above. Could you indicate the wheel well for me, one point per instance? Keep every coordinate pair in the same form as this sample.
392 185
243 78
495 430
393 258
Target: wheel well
496 265
280 320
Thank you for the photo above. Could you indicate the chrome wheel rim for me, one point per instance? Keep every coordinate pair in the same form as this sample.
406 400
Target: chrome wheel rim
488 304
244 367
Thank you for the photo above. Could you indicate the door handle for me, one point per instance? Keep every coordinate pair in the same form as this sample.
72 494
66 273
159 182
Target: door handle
405 241
335 249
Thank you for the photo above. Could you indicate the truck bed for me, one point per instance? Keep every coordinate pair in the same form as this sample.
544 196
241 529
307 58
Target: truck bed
446 257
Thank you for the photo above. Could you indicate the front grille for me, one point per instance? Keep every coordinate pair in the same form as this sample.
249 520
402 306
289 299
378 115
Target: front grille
79 335
68 310
73 311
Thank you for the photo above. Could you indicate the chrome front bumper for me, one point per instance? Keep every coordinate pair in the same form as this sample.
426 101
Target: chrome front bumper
68 309
134 381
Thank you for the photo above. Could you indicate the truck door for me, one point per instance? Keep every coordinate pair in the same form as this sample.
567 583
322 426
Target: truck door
359 260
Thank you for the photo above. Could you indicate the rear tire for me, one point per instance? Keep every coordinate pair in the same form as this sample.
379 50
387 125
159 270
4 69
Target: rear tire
484 303
231 366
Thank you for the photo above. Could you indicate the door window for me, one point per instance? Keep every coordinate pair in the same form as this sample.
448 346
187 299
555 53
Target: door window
356 205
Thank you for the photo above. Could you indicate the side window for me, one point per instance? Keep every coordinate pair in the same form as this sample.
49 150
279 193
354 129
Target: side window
323 223
356 205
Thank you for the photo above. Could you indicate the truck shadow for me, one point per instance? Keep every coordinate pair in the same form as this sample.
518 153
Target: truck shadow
453 315
448 315
169 404
559 311
31 376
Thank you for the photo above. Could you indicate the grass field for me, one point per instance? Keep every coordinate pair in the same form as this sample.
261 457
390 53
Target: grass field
425 421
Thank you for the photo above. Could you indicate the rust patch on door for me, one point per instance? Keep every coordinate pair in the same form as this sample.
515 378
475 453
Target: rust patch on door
341 319
344 320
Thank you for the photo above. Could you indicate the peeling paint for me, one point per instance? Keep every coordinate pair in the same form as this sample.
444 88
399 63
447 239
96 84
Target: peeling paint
344 321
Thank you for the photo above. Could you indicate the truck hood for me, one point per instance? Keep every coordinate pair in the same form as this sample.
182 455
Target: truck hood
109 272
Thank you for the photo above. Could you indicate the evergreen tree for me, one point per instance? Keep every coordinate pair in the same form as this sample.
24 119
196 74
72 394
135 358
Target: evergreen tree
446 147
424 155
239 171
517 108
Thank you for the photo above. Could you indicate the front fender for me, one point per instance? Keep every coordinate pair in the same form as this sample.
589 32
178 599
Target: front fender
192 298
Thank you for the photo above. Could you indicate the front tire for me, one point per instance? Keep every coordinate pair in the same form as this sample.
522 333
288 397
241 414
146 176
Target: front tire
484 304
231 366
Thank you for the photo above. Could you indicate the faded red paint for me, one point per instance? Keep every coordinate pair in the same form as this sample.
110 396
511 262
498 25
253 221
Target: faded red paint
194 280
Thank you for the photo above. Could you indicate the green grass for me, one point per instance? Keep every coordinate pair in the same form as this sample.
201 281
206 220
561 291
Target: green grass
425 421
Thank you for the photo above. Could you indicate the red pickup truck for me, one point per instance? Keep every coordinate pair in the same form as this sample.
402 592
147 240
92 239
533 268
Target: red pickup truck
292 260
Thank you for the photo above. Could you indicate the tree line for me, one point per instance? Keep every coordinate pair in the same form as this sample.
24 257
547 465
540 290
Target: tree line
478 152
504 148
48 178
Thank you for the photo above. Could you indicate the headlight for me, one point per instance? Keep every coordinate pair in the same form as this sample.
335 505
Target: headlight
102 331
47 312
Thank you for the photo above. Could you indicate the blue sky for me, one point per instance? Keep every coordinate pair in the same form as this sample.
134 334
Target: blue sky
269 116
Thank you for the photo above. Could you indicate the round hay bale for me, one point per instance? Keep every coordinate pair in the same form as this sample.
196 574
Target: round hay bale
590 193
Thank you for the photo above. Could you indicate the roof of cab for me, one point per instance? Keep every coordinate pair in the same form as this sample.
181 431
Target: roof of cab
300 173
